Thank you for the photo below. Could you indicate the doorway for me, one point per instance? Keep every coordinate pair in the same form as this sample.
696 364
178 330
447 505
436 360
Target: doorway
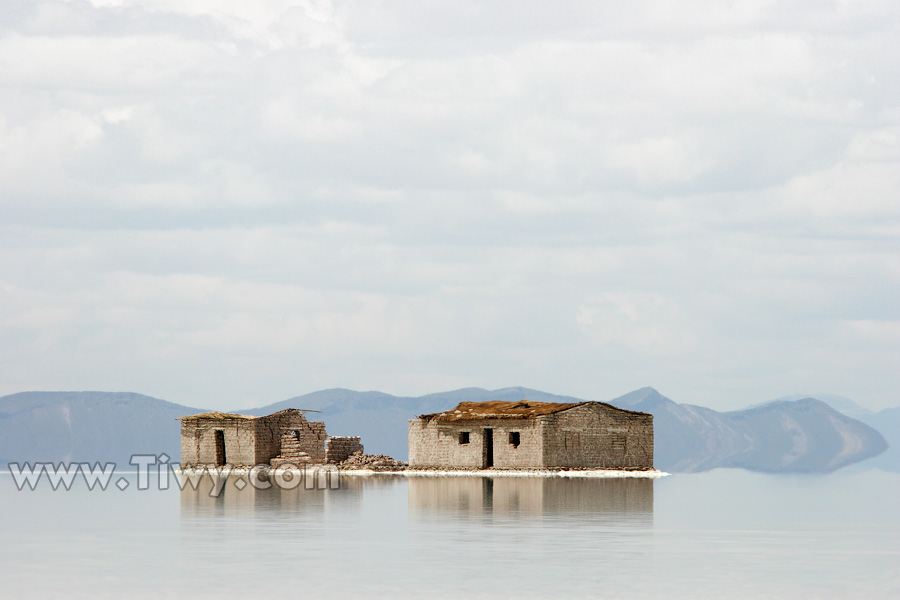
220 448
488 448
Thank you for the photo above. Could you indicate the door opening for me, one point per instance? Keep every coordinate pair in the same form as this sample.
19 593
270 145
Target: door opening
220 448
488 448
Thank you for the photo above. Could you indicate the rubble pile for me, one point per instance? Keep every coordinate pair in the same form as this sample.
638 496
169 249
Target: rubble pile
374 462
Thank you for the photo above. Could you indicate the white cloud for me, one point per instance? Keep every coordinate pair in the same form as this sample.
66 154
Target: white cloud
855 190
260 199
644 322
281 116
659 160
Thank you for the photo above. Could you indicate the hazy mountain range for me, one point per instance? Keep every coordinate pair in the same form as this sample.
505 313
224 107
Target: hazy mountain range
804 435
791 434
87 427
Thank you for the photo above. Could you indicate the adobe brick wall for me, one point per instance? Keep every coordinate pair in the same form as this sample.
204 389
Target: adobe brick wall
249 441
198 441
593 435
338 448
436 444
598 436
270 428
312 440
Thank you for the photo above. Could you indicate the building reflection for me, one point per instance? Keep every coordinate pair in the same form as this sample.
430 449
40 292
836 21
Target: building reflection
532 495
210 495
617 499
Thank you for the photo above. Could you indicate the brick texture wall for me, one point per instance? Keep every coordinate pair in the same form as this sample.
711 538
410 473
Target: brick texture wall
338 448
598 436
270 428
437 444
249 441
593 435
198 440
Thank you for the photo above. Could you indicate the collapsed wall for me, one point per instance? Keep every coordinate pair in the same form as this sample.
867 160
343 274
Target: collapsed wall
339 448
290 426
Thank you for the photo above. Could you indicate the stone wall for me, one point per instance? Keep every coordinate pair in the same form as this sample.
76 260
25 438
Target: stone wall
598 436
593 435
433 443
198 440
338 448
248 440
270 428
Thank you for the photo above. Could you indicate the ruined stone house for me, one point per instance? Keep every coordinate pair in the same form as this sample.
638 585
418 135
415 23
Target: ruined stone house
510 435
218 439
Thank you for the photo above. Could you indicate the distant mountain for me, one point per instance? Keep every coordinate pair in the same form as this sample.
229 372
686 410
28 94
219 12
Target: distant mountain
841 404
382 419
87 427
887 422
804 435
796 435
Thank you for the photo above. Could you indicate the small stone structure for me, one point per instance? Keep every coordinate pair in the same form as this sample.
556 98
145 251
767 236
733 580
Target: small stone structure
523 435
338 448
242 440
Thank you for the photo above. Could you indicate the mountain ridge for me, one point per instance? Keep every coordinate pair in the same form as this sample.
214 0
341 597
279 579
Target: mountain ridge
800 435
87 426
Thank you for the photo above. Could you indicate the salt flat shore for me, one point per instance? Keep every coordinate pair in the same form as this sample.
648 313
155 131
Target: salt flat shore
600 473
571 473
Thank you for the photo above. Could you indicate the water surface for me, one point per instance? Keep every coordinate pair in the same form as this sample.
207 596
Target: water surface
725 533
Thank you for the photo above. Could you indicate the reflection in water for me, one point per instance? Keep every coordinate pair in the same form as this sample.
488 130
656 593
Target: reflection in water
532 495
232 495
723 534
616 499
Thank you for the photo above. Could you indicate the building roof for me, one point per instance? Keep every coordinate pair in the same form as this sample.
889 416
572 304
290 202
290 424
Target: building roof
215 415
221 415
522 409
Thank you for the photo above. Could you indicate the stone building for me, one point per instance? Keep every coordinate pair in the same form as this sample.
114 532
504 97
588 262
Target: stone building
516 435
242 440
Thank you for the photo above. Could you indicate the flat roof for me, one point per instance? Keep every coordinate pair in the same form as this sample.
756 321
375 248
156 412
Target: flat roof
521 409
222 415
216 415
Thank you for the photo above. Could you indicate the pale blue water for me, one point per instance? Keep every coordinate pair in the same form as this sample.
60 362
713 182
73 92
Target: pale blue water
723 534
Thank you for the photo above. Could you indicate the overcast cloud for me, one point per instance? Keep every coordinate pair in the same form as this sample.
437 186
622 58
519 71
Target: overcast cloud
227 203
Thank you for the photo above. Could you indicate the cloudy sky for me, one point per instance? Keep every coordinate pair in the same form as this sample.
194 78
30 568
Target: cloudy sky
226 203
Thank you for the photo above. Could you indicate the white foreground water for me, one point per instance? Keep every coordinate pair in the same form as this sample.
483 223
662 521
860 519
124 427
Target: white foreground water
726 533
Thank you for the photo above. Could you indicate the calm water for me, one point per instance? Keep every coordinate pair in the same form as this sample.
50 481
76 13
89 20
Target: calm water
726 533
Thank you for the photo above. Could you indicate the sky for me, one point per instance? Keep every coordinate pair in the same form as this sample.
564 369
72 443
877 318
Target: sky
225 203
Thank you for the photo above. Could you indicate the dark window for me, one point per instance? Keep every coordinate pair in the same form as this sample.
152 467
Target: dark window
514 438
220 448
463 437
